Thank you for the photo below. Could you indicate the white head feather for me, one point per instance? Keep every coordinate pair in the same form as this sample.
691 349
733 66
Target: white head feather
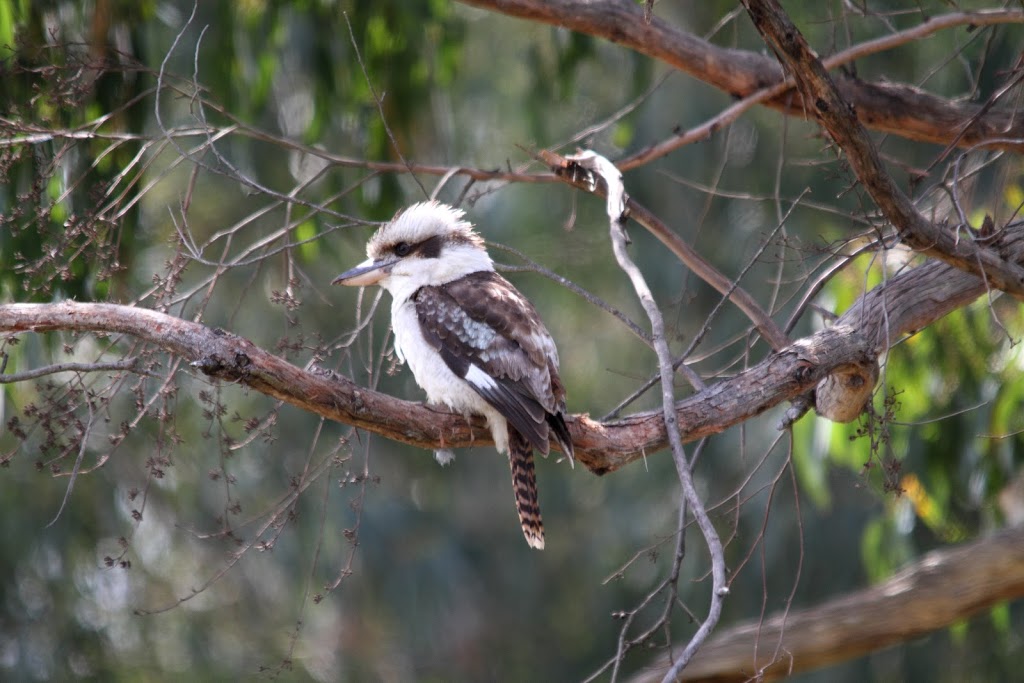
439 246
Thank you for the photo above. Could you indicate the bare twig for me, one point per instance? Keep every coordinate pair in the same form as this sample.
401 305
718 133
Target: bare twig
379 101
76 468
534 267
227 168
126 364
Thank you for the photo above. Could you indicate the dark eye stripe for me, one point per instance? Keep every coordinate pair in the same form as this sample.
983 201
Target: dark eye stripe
430 248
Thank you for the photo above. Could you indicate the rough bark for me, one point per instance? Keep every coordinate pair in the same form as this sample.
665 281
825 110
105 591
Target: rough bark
907 303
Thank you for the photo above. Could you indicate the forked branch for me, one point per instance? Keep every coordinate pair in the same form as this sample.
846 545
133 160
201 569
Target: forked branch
887 107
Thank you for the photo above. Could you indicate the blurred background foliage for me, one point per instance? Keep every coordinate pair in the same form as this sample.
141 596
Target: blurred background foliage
431 578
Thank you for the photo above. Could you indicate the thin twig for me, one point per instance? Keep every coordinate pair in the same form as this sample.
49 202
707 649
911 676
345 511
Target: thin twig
76 469
535 267
379 101
126 364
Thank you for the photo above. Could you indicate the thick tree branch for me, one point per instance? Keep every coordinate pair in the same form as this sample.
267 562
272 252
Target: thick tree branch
601 447
839 119
943 587
906 303
909 302
892 108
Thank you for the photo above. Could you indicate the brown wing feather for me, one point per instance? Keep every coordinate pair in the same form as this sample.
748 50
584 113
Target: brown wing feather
482 320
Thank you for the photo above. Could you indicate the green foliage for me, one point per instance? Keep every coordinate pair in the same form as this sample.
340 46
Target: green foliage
811 460
884 549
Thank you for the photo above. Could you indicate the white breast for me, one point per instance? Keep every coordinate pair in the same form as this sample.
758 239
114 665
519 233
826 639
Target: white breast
442 386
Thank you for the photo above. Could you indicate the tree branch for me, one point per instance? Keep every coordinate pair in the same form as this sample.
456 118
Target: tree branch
839 119
126 364
943 587
892 108
906 303
601 447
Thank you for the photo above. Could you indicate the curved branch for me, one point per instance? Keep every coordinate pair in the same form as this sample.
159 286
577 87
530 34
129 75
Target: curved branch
908 302
917 600
892 108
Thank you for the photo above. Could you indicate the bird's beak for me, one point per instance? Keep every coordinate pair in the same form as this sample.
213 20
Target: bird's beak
367 273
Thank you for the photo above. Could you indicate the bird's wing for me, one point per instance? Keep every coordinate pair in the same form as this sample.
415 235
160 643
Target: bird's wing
491 336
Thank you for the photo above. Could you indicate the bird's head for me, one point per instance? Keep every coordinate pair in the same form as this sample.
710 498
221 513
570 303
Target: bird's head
426 244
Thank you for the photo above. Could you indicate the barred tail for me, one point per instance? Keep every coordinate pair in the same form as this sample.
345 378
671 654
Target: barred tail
524 486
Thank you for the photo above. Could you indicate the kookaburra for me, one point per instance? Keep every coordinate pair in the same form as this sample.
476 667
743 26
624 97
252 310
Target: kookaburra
472 341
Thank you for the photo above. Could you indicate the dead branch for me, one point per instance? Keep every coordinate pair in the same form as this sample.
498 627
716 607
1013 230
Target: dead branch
116 366
601 168
942 588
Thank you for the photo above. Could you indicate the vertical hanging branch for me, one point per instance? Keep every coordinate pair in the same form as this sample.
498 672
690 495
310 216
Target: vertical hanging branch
601 168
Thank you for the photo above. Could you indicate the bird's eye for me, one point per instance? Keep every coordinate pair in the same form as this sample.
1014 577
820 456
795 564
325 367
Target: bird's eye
402 249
